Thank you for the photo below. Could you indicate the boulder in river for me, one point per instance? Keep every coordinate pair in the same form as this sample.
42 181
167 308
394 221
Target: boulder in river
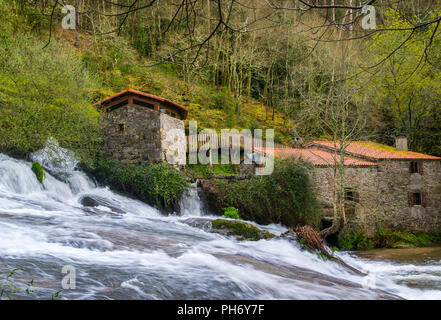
94 202
239 229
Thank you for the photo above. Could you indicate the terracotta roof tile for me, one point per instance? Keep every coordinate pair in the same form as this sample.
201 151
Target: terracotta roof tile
317 157
375 151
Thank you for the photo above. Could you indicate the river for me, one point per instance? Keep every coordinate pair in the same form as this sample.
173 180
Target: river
128 250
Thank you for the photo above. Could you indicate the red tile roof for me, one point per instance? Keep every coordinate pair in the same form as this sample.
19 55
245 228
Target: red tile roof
317 157
374 151
143 94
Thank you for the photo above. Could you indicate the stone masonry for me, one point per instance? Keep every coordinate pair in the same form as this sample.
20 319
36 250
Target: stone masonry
137 134
384 196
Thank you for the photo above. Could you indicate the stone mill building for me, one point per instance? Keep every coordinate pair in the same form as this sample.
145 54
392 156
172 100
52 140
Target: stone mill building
393 187
141 127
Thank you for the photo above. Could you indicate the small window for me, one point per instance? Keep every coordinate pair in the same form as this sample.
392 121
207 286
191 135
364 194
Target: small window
173 115
417 199
351 195
416 167
162 110
121 127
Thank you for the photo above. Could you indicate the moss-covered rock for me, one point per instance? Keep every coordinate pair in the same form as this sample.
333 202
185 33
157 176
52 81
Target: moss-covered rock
39 171
241 230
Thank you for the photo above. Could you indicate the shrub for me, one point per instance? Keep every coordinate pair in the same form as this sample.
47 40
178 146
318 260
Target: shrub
231 212
355 241
159 185
286 196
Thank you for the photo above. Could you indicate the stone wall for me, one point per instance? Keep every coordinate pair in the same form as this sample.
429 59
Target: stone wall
173 142
135 134
395 183
383 194
360 216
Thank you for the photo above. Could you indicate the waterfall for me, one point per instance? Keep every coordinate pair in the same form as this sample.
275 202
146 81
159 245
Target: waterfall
122 248
190 203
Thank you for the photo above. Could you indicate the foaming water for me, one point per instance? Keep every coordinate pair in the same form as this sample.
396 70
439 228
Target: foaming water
125 249
190 203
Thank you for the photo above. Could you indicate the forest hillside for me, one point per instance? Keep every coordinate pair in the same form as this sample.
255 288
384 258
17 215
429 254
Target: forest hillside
233 65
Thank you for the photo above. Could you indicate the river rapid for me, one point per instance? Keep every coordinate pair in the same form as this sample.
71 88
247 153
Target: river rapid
126 249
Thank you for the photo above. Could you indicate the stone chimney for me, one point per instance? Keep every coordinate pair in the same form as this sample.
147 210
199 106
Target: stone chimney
401 143
297 142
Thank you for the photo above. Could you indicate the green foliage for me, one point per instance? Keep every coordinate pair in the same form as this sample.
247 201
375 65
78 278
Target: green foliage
406 90
303 243
334 249
56 294
45 93
39 171
242 229
8 288
321 255
231 212
388 239
286 196
223 100
355 241
159 185
205 171
394 239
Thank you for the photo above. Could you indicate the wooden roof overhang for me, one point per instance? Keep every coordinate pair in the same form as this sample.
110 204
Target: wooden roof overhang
113 101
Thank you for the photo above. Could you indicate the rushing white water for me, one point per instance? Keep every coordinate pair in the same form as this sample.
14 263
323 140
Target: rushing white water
125 249
190 203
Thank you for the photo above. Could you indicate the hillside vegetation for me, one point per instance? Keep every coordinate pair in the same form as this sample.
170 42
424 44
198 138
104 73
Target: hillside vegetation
271 74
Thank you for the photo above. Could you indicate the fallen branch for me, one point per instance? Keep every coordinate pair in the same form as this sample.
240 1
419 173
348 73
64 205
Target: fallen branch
313 240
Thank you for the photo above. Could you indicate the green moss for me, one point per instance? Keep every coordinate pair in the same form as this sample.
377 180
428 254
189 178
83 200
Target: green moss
39 171
388 239
241 229
401 239
384 147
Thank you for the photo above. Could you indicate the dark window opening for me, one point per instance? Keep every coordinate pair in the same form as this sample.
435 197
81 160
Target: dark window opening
121 127
123 103
351 195
144 104
417 199
416 167
173 115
